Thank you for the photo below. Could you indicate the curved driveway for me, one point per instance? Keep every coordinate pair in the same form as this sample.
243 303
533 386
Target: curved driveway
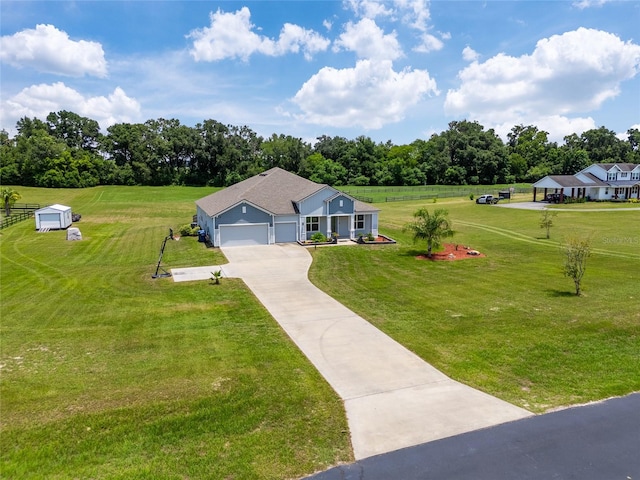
393 399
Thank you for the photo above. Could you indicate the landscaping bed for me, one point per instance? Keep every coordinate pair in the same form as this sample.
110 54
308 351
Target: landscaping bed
452 252
379 240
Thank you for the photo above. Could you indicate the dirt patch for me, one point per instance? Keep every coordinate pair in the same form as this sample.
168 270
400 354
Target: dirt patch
451 253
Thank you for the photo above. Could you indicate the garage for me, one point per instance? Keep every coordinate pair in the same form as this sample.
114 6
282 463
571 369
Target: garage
286 232
244 234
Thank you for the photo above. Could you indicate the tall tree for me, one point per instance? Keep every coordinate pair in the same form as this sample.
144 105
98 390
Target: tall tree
480 153
76 131
284 151
603 146
431 228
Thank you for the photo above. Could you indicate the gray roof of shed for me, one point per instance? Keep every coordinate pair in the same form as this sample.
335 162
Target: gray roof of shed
274 190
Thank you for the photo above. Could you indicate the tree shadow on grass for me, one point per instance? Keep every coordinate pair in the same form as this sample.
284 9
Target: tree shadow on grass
415 252
560 293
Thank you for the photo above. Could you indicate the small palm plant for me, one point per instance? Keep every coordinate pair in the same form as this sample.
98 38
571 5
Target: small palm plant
432 227
215 276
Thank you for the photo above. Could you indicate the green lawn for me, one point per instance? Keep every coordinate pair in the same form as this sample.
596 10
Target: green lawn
107 373
508 323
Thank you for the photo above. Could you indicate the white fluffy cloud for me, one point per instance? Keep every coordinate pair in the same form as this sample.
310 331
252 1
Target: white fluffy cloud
369 95
368 40
412 13
566 74
428 43
469 54
231 35
582 4
50 50
40 100
369 8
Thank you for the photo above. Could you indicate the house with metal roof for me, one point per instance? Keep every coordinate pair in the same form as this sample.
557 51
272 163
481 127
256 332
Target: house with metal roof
599 181
277 206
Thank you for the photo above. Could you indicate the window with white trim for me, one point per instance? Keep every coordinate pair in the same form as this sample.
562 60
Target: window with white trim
635 176
623 174
611 176
359 222
313 224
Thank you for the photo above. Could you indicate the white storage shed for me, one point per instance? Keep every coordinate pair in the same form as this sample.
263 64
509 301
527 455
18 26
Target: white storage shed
53 217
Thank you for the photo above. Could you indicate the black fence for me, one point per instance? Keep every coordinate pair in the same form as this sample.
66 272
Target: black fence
19 213
435 193
25 207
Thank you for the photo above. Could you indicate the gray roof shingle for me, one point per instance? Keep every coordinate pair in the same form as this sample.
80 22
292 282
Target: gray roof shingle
274 190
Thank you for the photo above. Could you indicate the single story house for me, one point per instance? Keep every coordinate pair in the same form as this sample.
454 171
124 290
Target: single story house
599 181
277 206
55 217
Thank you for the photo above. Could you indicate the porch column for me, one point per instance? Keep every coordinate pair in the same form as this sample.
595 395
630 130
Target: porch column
352 226
329 232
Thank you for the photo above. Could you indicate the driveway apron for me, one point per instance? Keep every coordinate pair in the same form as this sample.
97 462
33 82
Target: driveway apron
393 399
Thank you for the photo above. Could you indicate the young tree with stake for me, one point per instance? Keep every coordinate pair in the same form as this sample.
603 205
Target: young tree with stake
546 221
576 251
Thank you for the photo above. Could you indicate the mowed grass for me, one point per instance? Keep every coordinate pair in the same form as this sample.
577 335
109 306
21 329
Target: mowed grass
108 373
508 324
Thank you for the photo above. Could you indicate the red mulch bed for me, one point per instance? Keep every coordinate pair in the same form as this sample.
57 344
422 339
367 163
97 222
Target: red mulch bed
450 253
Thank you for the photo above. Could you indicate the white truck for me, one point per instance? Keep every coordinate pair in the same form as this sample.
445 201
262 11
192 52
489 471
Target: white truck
487 199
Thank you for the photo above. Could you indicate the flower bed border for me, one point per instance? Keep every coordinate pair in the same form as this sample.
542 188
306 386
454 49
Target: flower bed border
387 241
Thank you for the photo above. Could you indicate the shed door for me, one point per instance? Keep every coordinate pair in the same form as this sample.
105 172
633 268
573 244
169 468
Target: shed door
244 234
49 220
286 232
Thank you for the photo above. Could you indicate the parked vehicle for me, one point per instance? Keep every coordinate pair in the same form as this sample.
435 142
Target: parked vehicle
487 199
553 197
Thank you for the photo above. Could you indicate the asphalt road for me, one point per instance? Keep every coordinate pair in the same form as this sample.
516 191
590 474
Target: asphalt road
593 442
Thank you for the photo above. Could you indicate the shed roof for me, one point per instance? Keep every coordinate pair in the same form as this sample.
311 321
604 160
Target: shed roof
274 190
56 206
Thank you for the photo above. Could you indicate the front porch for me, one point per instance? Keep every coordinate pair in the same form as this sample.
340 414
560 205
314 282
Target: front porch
342 226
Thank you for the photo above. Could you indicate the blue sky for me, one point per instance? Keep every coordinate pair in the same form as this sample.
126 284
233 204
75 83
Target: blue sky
398 70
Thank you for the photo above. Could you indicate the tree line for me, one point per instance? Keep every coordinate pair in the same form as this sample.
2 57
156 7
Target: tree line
68 150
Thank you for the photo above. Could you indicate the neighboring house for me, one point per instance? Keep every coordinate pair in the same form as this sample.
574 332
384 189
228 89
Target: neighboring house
277 206
600 181
53 217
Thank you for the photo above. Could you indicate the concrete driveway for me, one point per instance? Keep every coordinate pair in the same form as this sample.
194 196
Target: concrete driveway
393 399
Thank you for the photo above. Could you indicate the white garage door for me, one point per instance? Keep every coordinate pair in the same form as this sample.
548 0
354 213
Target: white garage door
286 232
49 220
244 234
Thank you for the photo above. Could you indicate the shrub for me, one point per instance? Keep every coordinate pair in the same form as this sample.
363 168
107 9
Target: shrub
187 231
318 237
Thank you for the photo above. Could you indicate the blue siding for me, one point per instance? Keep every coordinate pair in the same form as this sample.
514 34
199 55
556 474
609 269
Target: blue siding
315 204
235 215
205 221
346 208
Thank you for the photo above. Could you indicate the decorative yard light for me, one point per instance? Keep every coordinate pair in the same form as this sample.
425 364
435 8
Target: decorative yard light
158 267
